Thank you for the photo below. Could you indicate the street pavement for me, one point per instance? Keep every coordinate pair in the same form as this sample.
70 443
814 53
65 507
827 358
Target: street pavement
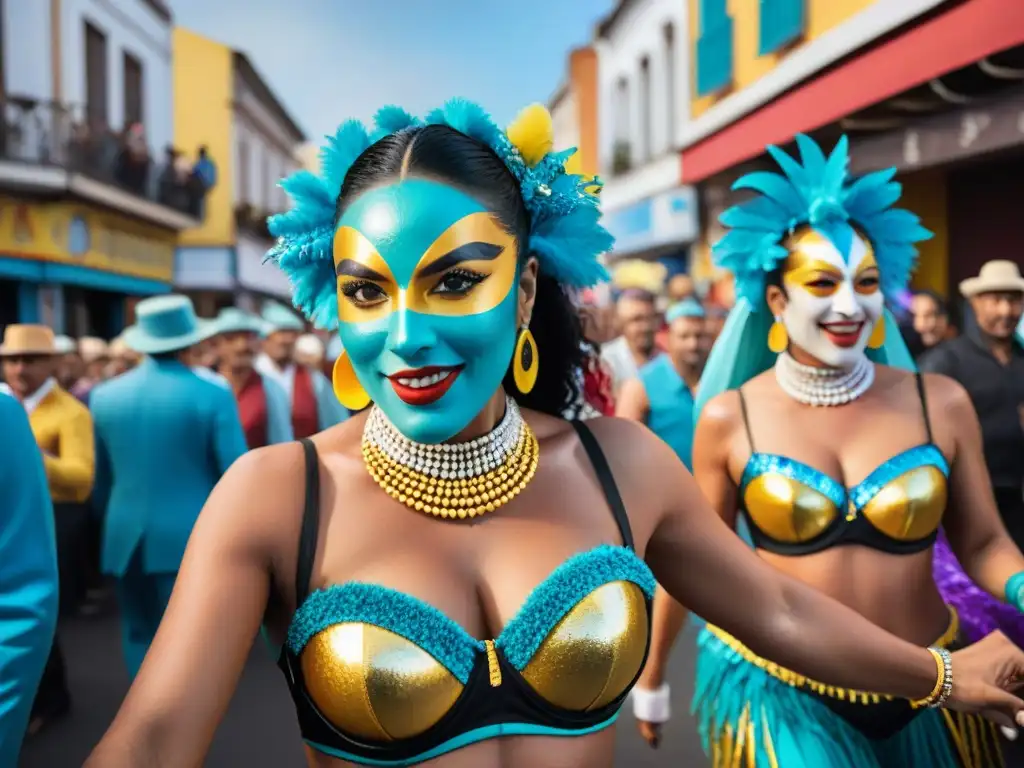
260 731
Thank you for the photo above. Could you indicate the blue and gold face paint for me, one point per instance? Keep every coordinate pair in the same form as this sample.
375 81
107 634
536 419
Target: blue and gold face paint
426 303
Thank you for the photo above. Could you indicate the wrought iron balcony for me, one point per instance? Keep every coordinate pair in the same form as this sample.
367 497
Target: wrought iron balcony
46 148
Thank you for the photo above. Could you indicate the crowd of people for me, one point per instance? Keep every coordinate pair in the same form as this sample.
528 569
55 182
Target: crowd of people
47 133
475 491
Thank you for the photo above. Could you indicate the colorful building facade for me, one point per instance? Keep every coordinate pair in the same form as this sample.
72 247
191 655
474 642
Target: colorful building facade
86 228
223 105
902 80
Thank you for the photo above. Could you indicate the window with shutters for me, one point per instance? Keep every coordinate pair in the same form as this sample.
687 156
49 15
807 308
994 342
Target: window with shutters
133 109
782 23
714 47
96 107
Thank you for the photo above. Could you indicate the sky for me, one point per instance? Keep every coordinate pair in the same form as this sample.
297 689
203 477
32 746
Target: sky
331 60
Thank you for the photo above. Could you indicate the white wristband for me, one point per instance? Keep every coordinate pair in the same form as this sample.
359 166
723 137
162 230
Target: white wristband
652 706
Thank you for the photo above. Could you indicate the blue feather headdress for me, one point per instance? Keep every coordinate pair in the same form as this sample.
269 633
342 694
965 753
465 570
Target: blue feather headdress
565 232
817 192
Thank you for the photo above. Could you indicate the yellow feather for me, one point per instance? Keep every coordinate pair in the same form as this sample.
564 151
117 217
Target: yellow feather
532 133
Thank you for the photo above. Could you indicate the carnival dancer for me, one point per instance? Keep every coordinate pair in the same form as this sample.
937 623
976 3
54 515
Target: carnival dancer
460 506
314 407
848 498
28 575
164 437
262 403
662 396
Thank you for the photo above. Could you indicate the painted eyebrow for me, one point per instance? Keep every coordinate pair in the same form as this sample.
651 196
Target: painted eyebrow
477 251
351 268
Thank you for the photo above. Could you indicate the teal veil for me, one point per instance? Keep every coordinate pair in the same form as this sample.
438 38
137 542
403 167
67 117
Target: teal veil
816 191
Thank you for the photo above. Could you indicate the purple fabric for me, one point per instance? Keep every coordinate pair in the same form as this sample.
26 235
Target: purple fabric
980 613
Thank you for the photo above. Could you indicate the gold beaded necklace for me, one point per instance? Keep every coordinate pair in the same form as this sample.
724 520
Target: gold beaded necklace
456 497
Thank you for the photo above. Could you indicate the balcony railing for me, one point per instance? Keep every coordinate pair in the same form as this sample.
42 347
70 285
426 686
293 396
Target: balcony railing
52 135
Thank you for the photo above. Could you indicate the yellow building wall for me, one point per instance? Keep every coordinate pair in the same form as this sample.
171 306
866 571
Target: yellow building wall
925 194
748 66
203 98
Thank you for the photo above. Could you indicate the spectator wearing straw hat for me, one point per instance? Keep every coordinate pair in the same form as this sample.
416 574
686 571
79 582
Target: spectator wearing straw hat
988 360
28 575
63 430
164 437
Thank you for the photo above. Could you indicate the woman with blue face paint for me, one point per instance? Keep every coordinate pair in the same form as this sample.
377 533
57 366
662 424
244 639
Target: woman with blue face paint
814 430
458 563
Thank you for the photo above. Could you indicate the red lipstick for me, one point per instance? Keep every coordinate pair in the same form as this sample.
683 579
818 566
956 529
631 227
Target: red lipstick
843 335
423 386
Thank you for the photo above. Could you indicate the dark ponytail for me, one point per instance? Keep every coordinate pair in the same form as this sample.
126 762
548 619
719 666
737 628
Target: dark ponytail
442 153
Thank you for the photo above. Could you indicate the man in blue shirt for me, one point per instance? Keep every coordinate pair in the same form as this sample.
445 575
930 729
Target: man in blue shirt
662 395
28 575
164 437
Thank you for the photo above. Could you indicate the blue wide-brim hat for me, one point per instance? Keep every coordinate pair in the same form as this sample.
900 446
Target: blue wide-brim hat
279 318
166 324
234 320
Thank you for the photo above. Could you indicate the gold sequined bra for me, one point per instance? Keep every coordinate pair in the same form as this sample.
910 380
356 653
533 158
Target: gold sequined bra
795 509
380 677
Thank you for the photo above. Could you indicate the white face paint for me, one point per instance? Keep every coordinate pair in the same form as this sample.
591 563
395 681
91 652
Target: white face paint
833 302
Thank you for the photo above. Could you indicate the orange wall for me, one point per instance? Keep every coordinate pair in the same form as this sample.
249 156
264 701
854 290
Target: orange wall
748 66
583 83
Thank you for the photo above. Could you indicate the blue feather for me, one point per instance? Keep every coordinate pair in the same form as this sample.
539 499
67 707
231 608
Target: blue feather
818 191
565 230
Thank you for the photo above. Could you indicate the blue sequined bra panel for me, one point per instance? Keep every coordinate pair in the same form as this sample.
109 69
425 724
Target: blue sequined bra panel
796 509
382 678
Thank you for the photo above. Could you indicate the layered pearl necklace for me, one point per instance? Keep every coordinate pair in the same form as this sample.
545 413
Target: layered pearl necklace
452 479
823 387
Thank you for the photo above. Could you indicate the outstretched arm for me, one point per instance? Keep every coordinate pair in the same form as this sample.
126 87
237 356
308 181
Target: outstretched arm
710 469
190 672
972 523
703 564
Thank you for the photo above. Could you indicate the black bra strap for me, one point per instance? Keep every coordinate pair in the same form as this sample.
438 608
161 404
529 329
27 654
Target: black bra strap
746 419
310 522
604 476
924 406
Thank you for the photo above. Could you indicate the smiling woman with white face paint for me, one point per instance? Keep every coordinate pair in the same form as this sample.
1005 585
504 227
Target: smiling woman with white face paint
843 463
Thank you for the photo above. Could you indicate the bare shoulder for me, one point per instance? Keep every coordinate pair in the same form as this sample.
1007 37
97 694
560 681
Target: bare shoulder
947 397
722 414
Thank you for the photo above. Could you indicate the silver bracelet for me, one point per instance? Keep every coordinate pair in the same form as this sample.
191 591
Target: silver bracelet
947 679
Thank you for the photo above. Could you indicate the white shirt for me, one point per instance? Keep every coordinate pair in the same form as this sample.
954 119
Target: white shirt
283 376
32 402
620 361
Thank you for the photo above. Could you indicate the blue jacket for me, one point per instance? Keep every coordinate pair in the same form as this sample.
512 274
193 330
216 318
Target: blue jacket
28 575
671 406
164 437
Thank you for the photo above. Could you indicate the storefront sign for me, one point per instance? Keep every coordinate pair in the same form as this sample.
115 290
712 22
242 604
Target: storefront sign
959 135
71 233
666 219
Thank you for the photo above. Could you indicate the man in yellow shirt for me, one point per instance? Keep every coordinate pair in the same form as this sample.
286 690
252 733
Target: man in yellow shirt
63 431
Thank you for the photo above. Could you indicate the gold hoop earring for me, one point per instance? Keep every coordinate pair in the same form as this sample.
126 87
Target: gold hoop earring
877 337
778 339
525 362
347 388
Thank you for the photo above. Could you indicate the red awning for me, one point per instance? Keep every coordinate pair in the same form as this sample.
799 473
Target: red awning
959 37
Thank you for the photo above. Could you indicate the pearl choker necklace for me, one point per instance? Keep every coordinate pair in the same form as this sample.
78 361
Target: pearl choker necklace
447 460
452 479
823 386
